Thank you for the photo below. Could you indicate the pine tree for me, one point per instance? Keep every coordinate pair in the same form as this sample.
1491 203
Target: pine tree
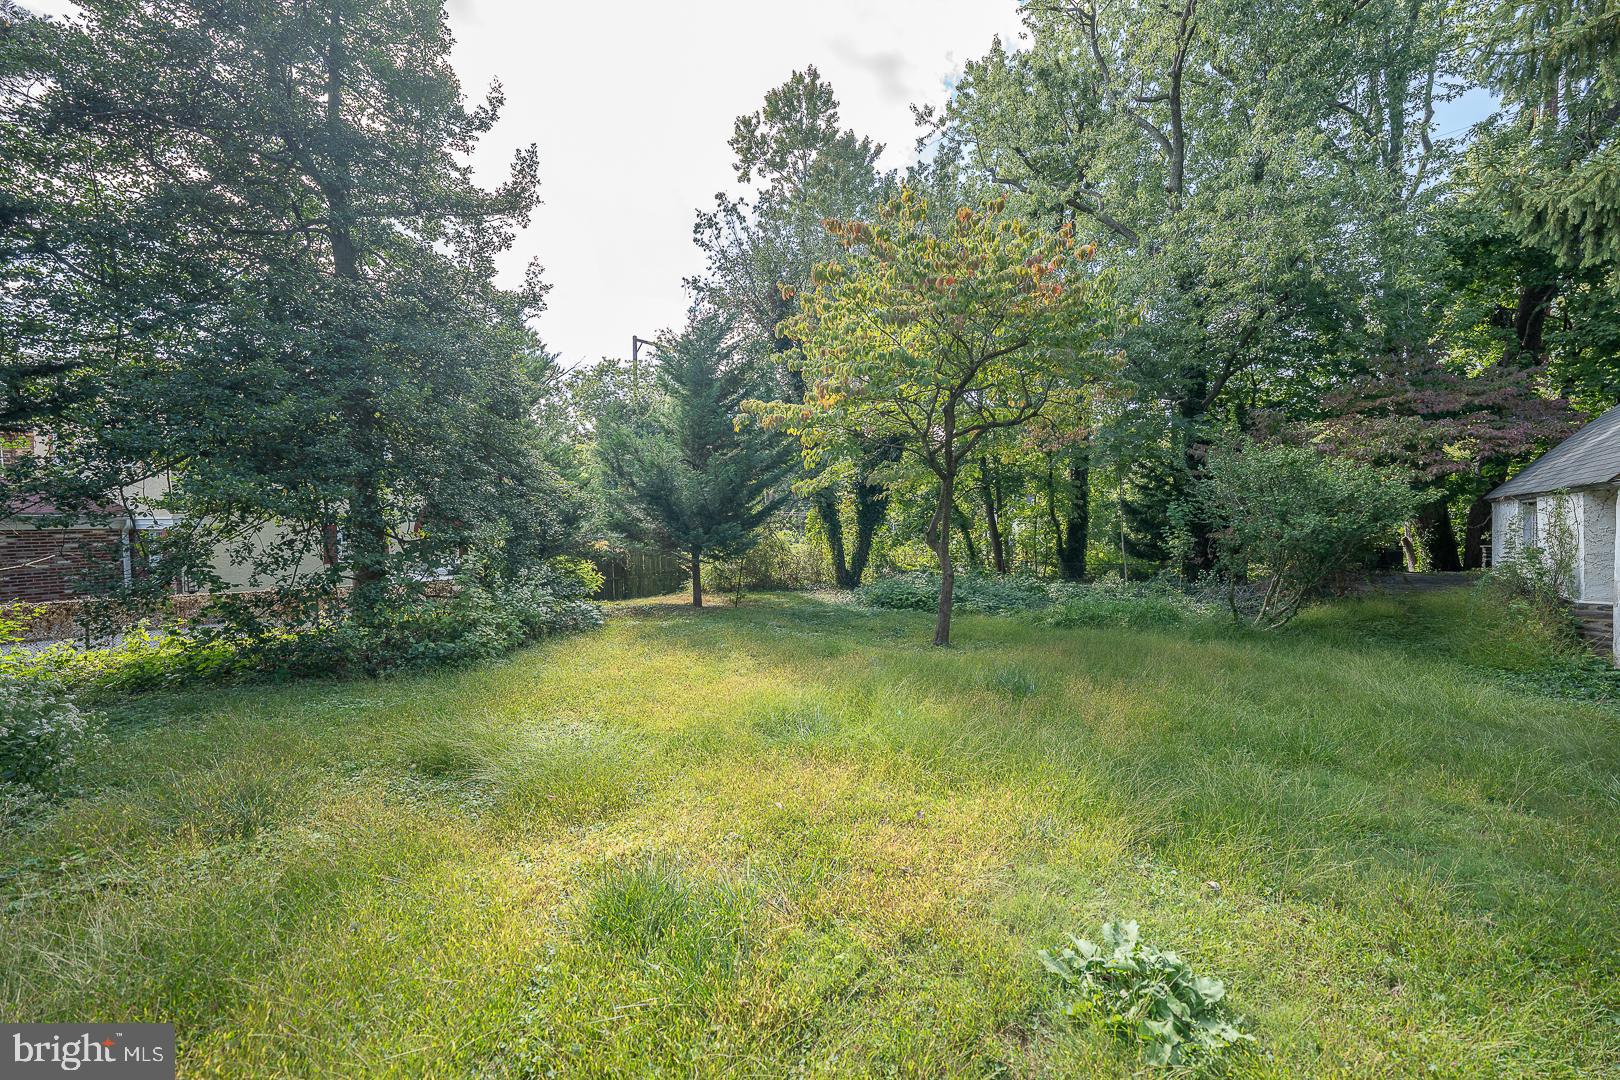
681 474
307 335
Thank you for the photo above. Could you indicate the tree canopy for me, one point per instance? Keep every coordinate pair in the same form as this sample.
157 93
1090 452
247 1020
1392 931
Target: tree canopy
681 475
940 338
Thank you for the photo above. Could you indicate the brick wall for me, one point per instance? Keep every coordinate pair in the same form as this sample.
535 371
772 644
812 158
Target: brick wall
39 565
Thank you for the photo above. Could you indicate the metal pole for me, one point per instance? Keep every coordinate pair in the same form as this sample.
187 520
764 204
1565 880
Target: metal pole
635 361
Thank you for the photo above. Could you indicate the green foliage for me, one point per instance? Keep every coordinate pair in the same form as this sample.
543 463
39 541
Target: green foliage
44 739
1525 600
785 558
780 558
479 621
1146 995
1293 521
298 271
937 337
681 474
984 593
806 169
1554 154
914 591
1159 602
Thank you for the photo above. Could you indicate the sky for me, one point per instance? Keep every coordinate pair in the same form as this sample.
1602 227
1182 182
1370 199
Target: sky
631 104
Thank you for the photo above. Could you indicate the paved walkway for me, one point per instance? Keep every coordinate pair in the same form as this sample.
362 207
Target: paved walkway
1421 582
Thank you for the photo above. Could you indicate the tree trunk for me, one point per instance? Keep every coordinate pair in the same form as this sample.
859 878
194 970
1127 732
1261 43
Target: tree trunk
697 577
368 550
998 554
947 573
1530 319
826 503
1476 534
1409 551
964 525
368 532
871 507
1076 535
1439 539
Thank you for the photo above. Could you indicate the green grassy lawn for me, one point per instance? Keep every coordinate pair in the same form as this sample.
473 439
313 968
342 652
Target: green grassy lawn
792 839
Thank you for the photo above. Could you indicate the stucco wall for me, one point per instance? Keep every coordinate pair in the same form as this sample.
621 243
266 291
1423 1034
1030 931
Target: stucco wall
1597 546
1559 523
1504 513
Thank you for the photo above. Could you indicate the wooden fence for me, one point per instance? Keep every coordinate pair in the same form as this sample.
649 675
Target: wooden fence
630 575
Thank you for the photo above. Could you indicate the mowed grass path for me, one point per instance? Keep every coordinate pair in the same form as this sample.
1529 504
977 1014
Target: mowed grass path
792 839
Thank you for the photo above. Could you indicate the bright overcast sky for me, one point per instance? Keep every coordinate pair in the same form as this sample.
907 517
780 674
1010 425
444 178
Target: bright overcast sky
631 104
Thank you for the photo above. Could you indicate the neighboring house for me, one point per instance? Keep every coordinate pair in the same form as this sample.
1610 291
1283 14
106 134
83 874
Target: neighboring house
42 561
1564 503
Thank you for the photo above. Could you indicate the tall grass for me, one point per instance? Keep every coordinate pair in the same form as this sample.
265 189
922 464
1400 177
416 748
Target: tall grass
790 838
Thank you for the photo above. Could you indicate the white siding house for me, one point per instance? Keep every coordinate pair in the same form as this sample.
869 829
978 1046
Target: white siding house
1567 499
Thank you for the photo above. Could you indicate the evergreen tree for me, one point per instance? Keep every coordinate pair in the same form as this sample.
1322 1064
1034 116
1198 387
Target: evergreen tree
681 474
247 234
806 169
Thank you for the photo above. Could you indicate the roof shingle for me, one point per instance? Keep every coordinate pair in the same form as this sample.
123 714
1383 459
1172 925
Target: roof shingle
1590 456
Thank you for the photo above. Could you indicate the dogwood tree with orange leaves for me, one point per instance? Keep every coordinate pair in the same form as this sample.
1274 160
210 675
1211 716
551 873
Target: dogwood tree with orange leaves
941 335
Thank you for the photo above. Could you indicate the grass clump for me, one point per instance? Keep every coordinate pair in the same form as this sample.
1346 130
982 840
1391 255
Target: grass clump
1146 995
986 594
649 910
1158 603
1161 602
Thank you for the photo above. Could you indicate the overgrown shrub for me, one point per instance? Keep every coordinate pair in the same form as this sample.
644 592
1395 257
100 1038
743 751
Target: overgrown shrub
781 559
1135 605
44 737
1523 602
904 592
984 593
1146 995
1112 602
479 621
1530 584
1289 522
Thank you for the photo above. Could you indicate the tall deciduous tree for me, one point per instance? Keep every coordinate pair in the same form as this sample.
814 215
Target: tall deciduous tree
941 338
681 474
1259 177
805 168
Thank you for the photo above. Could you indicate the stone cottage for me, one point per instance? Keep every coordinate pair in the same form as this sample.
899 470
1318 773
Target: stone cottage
1565 500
